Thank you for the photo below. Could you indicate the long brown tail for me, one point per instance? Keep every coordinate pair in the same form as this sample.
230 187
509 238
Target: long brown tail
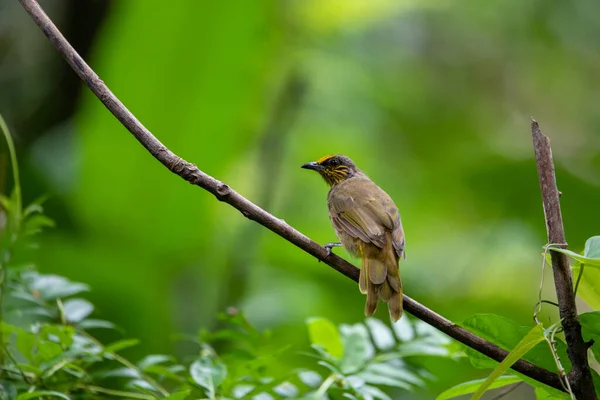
380 279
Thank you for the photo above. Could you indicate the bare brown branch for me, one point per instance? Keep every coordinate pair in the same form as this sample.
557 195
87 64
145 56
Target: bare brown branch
580 377
224 193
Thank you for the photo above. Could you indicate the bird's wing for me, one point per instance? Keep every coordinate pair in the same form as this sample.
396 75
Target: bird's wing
398 235
366 212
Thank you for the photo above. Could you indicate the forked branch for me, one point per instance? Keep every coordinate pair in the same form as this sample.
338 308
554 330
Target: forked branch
222 192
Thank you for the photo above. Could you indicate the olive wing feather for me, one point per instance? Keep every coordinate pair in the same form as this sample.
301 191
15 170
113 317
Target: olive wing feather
362 210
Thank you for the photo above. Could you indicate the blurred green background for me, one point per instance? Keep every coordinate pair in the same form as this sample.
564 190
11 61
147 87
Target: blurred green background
432 99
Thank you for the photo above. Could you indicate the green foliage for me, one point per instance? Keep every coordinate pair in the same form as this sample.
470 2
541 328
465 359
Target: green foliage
508 334
371 354
472 386
518 339
589 284
48 347
48 350
535 336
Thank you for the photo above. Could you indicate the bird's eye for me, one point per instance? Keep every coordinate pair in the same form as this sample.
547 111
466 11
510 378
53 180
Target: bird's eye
334 162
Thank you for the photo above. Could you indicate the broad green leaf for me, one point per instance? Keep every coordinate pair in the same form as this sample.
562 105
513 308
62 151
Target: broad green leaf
286 390
592 248
120 345
96 324
8 391
51 287
472 386
399 372
44 393
589 285
403 329
63 333
590 330
383 380
77 309
310 378
535 336
357 348
590 322
381 333
178 395
208 372
117 373
507 334
154 359
324 333
162 371
590 257
543 394
373 392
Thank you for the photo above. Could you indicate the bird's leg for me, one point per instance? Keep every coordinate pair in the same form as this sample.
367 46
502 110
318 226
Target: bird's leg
330 245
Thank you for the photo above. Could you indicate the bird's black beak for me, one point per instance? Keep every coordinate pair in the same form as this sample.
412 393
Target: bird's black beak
313 165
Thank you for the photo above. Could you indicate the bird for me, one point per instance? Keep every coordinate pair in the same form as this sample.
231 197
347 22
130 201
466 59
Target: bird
367 224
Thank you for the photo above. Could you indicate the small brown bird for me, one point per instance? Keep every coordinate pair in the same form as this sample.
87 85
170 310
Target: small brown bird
367 223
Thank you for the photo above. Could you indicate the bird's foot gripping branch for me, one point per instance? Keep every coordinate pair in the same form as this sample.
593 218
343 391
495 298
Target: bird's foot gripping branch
515 347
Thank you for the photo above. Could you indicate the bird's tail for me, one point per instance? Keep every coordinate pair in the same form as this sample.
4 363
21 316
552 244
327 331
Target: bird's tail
380 279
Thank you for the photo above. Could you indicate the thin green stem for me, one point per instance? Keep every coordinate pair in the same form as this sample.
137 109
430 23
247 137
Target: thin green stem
14 165
326 385
579 278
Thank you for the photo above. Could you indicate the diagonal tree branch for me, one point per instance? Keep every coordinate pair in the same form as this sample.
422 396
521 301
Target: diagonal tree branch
223 192
580 377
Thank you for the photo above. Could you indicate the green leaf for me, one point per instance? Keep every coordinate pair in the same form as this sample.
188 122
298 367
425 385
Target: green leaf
63 333
590 330
357 348
589 285
324 333
535 336
36 223
507 334
592 248
472 386
163 372
8 391
44 393
310 378
374 393
208 372
120 345
383 380
382 334
77 309
543 394
51 287
178 395
398 372
96 324
154 359
591 254
590 322
403 329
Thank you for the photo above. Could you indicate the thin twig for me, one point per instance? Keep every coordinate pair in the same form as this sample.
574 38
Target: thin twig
223 192
580 377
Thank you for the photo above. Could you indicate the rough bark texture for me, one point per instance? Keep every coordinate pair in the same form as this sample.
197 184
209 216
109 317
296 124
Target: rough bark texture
223 192
580 377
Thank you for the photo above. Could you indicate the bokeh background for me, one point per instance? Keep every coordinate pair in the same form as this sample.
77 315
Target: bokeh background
432 99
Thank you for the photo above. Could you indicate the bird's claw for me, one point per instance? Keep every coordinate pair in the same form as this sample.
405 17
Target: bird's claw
330 245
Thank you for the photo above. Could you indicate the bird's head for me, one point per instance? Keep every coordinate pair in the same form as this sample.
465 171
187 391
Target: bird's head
334 168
